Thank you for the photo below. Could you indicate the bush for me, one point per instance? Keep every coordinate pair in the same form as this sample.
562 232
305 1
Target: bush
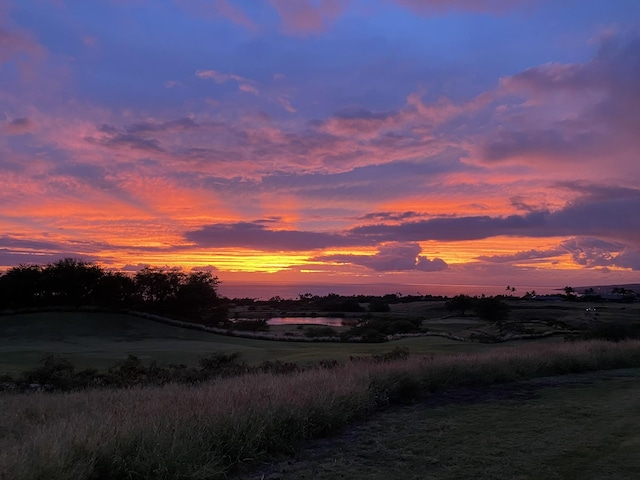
613 332
460 304
398 353
378 305
314 332
259 325
222 365
55 373
492 309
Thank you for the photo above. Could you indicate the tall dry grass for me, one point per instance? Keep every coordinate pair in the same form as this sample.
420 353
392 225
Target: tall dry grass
207 431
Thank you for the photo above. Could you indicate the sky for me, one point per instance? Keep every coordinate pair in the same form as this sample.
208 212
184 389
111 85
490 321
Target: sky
464 142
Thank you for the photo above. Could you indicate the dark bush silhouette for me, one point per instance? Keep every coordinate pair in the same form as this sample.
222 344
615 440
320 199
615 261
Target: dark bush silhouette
373 330
378 305
492 309
461 304
54 373
258 325
613 332
314 332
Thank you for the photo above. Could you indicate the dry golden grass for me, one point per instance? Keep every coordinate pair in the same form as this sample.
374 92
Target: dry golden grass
208 431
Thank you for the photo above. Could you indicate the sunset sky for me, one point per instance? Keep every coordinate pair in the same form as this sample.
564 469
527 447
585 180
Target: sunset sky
485 142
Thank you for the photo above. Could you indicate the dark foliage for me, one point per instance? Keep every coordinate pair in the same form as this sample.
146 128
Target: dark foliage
337 303
258 325
74 283
323 331
613 332
492 309
461 304
379 305
373 330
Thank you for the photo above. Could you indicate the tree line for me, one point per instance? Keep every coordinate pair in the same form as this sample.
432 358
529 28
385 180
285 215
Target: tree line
74 283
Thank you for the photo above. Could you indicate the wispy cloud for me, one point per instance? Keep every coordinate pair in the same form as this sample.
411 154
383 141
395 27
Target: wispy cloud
244 84
19 126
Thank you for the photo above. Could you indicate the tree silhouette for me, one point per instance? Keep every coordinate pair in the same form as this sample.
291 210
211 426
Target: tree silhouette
72 283
460 304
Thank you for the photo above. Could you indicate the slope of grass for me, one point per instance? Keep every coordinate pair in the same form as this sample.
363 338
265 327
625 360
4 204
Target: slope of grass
586 426
211 430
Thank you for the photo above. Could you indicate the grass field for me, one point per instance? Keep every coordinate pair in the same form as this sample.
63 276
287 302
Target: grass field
100 339
584 426
212 430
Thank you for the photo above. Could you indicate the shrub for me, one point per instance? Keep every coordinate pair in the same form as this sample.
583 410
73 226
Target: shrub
378 305
222 364
314 332
259 325
492 309
55 373
460 304
613 332
398 353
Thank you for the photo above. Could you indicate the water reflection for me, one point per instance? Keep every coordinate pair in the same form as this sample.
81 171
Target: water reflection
329 321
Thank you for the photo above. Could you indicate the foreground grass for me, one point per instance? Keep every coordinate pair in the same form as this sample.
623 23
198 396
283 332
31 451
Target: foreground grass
211 430
583 426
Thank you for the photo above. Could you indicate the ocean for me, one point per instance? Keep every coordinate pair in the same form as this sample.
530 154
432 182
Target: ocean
265 291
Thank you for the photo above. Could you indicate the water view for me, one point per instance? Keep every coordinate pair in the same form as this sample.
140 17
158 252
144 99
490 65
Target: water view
329 321
265 291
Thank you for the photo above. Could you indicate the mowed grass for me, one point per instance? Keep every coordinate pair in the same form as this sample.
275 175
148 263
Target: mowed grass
213 430
99 340
584 426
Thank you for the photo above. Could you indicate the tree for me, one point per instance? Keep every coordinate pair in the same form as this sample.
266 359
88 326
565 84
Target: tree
197 295
71 281
492 309
158 287
378 305
22 286
460 304
115 289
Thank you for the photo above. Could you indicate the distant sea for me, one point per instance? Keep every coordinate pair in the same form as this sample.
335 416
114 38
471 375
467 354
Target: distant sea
265 291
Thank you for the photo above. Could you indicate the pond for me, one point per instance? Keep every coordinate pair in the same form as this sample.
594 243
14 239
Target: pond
328 321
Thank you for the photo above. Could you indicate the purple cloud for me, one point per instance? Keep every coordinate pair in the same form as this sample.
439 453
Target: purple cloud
594 252
256 236
614 217
521 256
391 257
576 112
390 216
19 126
437 6
114 138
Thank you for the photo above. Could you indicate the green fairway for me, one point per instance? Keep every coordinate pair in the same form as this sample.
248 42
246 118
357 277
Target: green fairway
101 339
